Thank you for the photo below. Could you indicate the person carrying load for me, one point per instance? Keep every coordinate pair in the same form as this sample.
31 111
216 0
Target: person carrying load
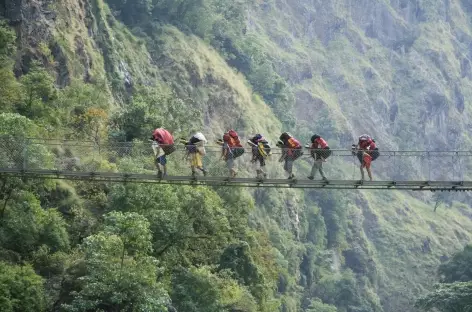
366 151
320 151
231 150
291 150
195 147
260 151
162 145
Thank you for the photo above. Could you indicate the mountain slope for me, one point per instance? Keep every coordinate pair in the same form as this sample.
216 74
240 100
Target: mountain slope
399 70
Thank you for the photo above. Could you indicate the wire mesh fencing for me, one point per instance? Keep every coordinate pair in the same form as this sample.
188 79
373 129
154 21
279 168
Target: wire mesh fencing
25 154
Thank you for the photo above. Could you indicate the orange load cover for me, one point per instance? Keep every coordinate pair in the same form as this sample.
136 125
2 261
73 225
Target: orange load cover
163 136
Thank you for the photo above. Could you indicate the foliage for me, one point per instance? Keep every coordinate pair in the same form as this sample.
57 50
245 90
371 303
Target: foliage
180 220
7 42
38 89
103 246
152 108
25 226
458 268
454 293
318 306
197 289
119 273
21 289
453 297
90 124
10 93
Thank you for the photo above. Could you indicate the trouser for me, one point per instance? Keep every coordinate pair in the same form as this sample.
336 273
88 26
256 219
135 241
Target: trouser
258 162
317 166
195 160
230 163
288 166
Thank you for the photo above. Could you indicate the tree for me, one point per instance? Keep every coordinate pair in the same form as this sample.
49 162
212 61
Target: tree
458 269
10 93
78 97
189 224
200 290
25 226
17 151
21 289
152 108
91 124
119 273
132 12
318 306
38 88
455 297
454 293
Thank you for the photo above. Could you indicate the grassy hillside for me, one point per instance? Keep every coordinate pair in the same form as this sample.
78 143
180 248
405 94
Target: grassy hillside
114 71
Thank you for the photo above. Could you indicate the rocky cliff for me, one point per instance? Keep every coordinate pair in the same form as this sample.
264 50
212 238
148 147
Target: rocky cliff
399 69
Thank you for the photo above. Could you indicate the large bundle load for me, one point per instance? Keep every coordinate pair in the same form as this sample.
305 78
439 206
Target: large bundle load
165 140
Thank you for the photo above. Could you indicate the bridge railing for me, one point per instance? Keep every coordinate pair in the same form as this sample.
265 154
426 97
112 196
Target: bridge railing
137 157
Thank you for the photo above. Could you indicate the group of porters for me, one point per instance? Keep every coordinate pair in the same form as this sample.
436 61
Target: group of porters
163 145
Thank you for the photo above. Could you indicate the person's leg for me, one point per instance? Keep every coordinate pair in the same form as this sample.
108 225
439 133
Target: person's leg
158 167
192 159
200 166
360 156
230 164
261 161
161 166
314 169
367 163
164 165
289 167
321 171
369 173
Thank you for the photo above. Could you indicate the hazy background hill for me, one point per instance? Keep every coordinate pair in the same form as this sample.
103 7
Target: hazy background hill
399 70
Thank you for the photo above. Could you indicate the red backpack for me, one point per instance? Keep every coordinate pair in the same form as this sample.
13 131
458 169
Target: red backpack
165 138
233 139
235 147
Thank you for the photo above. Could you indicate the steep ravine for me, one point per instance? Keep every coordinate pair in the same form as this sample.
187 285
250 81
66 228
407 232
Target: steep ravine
400 70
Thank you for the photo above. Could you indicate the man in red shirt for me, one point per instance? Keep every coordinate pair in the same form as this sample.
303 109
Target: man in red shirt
319 151
367 152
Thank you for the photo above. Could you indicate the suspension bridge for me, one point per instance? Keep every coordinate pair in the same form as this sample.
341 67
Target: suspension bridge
134 162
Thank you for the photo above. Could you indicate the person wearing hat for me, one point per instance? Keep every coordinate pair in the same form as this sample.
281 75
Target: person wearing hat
320 152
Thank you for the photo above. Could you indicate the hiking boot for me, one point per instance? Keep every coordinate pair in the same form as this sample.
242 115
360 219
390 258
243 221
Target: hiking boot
159 174
311 177
324 178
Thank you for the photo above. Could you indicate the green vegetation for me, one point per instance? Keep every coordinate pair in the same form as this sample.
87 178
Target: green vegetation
113 71
454 293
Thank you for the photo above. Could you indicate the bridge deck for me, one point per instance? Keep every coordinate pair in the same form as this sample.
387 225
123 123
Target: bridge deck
241 182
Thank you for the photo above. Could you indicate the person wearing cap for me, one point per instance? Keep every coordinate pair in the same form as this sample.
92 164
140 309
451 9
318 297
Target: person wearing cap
320 152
